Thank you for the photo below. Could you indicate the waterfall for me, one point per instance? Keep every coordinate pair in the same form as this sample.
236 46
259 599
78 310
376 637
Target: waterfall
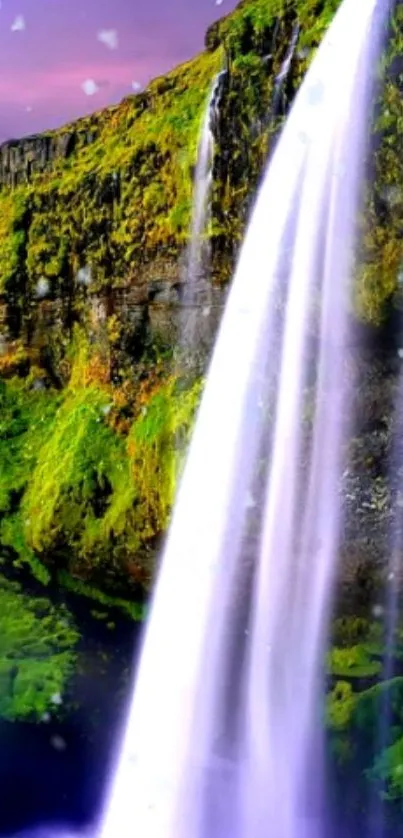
281 78
196 288
223 735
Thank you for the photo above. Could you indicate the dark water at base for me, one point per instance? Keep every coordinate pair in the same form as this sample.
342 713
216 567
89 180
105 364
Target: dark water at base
54 772
40 784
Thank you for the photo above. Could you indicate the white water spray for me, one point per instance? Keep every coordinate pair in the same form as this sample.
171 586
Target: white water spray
221 737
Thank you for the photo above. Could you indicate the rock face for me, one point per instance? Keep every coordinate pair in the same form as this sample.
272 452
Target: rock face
21 160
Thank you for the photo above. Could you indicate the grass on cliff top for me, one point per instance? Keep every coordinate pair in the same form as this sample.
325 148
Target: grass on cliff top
256 16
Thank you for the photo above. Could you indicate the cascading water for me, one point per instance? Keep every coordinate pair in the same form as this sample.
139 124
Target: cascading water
197 262
221 738
279 97
281 78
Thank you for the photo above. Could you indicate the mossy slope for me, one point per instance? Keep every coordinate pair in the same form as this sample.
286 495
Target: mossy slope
88 475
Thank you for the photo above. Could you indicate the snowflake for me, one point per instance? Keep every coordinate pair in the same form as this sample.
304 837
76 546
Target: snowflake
250 501
42 287
18 24
109 37
84 276
58 743
89 87
315 92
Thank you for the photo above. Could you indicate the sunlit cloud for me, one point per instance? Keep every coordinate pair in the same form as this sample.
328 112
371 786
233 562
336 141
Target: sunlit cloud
67 84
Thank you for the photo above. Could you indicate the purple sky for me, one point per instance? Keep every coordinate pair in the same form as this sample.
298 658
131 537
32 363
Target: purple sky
50 48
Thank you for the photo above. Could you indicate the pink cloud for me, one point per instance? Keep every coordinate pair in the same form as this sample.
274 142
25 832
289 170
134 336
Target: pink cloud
65 82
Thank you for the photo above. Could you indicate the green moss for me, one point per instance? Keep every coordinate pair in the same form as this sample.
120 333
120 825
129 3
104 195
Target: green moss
142 497
340 705
348 631
388 767
83 489
353 713
357 649
352 720
14 219
369 704
157 443
131 609
356 661
79 460
26 418
37 643
381 255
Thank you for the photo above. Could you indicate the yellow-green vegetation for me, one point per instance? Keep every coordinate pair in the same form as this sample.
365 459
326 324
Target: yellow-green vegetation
354 709
82 489
133 610
26 415
358 649
388 767
381 258
353 718
37 654
127 191
355 661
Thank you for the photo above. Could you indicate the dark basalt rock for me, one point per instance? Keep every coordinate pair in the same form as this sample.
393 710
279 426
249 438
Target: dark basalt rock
21 159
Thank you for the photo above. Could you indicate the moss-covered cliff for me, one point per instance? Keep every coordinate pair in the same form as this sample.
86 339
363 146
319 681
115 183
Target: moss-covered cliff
94 222
103 206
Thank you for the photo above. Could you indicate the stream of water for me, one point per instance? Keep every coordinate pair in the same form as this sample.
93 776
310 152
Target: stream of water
222 736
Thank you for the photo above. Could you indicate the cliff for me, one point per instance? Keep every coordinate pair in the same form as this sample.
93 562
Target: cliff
102 207
94 222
